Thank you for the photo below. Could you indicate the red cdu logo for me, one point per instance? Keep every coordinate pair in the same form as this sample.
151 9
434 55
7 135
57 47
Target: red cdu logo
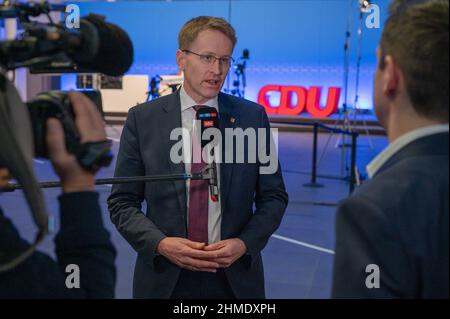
309 99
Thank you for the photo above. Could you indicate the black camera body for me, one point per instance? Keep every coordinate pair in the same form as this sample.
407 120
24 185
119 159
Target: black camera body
56 104
95 47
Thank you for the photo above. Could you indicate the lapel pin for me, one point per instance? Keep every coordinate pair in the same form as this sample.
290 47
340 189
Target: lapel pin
232 120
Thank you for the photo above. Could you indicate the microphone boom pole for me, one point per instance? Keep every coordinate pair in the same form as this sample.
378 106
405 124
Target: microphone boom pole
205 174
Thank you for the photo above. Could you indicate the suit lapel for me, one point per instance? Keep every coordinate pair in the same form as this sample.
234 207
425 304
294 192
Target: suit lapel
228 119
172 120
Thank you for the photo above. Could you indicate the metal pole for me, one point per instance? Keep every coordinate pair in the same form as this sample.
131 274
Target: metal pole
313 182
120 180
314 160
353 163
347 54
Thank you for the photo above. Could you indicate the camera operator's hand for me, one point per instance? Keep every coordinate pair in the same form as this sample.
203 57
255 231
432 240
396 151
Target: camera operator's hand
5 176
91 128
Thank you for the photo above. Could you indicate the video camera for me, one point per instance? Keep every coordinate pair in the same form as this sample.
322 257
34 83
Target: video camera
96 46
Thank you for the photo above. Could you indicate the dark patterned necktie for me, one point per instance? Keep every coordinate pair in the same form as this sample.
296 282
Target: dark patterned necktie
198 194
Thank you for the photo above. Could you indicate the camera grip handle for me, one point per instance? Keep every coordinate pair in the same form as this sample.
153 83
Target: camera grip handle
94 155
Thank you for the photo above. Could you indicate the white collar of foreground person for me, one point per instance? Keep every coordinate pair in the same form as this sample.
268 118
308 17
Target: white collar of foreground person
400 143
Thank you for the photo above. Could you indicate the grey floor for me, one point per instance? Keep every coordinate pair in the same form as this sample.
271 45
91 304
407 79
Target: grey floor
298 258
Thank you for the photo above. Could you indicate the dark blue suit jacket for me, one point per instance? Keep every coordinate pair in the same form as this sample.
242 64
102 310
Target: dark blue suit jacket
399 222
252 204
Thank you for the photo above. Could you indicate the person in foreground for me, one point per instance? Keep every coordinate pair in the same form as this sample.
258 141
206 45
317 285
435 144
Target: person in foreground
392 235
82 240
189 245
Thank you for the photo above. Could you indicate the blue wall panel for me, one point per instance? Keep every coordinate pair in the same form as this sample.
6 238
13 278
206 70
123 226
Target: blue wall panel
298 42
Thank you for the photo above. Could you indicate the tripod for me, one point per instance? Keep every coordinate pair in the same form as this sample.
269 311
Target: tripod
363 7
344 114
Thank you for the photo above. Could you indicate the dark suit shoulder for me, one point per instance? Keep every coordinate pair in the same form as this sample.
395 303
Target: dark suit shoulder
398 220
241 105
424 174
411 194
153 106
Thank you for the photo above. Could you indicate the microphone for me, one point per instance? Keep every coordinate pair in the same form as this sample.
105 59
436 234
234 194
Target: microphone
103 47
209 118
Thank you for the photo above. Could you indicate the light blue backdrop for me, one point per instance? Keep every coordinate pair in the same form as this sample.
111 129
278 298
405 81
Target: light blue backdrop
297 42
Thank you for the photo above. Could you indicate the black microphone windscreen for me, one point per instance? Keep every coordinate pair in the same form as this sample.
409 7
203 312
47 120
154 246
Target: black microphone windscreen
209 118
115 52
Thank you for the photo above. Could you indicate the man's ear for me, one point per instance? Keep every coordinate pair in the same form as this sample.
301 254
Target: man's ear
180 59
391 77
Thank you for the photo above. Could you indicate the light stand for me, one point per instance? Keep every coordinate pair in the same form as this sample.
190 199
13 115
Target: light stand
344 114
240 75
153 93
363 7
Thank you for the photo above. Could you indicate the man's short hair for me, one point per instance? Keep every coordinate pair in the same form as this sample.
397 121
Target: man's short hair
416 34
193 27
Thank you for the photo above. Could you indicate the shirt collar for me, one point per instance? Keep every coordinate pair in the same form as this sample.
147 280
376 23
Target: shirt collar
187 102
400 143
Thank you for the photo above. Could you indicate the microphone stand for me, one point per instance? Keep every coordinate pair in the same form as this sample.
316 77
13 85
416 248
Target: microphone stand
208 173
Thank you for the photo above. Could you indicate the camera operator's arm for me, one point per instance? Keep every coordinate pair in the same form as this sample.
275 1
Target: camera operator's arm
82 239
37 277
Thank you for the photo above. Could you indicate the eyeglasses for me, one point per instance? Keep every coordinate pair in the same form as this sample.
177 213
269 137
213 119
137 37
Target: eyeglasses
210 59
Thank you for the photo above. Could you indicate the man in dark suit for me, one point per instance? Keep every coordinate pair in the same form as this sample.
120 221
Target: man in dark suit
392 235
190 245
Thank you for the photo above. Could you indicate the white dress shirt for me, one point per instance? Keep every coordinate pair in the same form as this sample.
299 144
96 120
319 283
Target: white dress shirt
187 120
400 143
